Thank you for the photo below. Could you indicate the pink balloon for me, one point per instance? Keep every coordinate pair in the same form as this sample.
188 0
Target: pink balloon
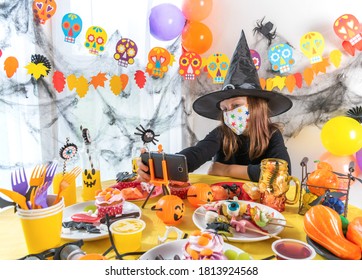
359 158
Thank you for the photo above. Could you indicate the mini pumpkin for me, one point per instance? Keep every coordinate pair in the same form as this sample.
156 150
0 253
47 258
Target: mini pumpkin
199 194
322 179
170 209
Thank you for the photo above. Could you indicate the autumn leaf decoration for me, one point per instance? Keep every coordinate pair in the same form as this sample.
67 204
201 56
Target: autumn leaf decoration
118 83
11 64
140 78
98 81
58 81
39 66
82 86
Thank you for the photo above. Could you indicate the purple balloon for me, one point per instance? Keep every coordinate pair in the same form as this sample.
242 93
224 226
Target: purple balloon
359 158
166 22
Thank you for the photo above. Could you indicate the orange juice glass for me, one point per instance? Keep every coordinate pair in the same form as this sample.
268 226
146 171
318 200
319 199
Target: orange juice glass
91 180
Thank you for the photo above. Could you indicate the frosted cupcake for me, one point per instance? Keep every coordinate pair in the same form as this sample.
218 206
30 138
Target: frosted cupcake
204 245
109 201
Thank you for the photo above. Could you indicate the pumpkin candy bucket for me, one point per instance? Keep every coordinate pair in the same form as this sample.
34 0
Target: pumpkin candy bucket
170 209
199 194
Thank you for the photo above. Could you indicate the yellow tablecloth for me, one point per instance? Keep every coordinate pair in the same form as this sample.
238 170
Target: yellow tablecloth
12 242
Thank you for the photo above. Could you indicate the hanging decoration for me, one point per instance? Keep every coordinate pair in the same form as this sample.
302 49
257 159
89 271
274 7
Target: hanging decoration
11 64
39 66
190 65
158 61
355 113
256 59
82 86
265 30
118 83
217 66
72 81
95 39
281 58
98 81
44 10
348 28
126 51
140 78
58 81
71 26
147 135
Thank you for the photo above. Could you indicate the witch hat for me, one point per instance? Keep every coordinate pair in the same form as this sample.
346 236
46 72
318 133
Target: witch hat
241 80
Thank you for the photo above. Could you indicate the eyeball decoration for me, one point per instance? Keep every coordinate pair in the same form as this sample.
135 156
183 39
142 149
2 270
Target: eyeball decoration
199 194
170 209
147 135
68 151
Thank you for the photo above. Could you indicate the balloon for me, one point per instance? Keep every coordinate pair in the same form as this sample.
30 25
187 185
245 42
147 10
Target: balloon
342 136
359 158
196 37
196 10
166 22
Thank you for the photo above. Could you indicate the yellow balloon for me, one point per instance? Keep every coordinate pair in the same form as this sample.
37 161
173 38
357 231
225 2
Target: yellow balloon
342 136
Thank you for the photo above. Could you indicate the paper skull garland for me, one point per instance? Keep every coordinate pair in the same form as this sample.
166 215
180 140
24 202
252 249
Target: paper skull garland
281 58
158 61
95 39
255 56
126 51
170 209
44 10
190 65
217 66
348 28
71 26
312 46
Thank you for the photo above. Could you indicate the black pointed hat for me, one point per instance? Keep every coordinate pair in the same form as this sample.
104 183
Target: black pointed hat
241 80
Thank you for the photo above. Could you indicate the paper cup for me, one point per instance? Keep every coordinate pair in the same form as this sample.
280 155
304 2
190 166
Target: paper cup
42 211
42 227
127 234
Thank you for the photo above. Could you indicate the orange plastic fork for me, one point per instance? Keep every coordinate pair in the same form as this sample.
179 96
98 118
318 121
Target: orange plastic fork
38 175
66 181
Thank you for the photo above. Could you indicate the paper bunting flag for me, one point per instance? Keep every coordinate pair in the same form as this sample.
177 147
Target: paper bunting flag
308 76
58 81
44 10
190 65
118 83
82 86
71 26
217 66
39 66
158 61
312 46
72 82
1 53
348 28
256 59
95 39
140 78
336 57
126 51
281 58
98 81
11 64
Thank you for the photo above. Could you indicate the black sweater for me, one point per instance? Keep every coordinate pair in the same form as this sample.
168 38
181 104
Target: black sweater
211 148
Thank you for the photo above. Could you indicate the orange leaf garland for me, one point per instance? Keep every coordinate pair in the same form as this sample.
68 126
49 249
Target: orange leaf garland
116 84
308 75
262 83
269 84
140 78
320 66
72 81
82 86
11 64
336 57
58 81
124 80
290 83
298 80
98 81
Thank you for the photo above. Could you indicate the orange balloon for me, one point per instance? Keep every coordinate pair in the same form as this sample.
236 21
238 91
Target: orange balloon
196 10
196 37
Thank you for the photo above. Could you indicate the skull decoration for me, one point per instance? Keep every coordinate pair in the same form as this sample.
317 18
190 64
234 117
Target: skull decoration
312 46
158 61
256 59
126 50
217 67
44 10
96 38
71 26
348 28
190 65
281 57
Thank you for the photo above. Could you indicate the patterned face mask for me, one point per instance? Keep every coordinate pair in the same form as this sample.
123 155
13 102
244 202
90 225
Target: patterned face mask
237 119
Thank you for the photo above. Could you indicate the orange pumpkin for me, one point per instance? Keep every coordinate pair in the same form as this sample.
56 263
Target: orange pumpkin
199 194
170 209
322 179
323 225
354 231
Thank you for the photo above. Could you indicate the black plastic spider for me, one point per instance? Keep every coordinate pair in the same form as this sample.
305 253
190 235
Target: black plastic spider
266 30
147 135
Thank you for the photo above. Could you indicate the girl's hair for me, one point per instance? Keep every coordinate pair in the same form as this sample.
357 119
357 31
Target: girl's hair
260 129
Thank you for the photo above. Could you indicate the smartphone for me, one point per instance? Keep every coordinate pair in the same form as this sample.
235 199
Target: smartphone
176 165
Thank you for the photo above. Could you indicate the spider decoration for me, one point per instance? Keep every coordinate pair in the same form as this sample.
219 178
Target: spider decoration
355 113
234 188
41 61
147 135
266 30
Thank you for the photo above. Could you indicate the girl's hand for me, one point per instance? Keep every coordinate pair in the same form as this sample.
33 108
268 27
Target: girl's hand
142 175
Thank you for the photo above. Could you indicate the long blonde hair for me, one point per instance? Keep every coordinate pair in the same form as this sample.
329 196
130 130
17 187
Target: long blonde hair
260 129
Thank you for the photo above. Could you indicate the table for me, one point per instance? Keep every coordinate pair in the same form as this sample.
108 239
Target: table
12 242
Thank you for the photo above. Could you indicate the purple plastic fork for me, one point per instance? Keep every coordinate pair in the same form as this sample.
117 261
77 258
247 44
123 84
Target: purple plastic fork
19 182
50 172
42 194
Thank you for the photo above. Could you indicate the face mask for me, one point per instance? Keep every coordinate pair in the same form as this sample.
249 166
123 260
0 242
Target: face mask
237 119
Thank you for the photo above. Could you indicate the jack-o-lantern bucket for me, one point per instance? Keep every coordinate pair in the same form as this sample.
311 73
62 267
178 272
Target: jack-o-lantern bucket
199 194
170 209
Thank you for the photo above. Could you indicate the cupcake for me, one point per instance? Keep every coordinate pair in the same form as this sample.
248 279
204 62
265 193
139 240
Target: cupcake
109 201
204 245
